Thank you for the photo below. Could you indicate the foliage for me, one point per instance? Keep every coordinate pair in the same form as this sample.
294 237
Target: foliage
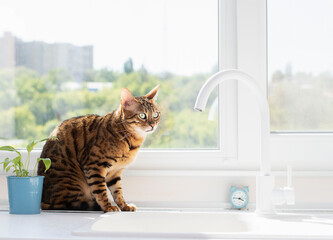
38 103
21 167
301 102
33 104
103 75
128 66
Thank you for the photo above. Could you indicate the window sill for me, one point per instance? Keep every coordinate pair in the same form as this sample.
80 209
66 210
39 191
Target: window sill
222 173
212 173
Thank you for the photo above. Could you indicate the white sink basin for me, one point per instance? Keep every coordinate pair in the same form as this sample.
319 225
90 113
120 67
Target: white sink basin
209 225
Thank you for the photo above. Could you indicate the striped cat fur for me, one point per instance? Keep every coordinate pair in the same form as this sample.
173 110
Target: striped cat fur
91 152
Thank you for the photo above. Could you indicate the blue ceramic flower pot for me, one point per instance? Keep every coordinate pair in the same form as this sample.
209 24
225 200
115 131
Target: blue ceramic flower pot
25 194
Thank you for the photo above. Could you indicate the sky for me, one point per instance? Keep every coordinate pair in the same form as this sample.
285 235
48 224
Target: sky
163 35
179 36
300 32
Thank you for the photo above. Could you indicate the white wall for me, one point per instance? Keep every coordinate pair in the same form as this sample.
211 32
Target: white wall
200 191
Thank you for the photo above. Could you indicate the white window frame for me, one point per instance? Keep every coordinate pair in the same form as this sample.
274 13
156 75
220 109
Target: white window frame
227 130
242 45
151 159
303 151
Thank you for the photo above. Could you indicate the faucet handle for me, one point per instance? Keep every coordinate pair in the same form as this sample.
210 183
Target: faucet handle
285 194
289 192
289 175
289 195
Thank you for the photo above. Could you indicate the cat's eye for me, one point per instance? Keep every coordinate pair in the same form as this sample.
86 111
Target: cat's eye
142 115
155 114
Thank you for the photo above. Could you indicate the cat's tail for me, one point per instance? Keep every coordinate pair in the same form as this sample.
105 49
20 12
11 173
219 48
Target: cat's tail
46 206
82 207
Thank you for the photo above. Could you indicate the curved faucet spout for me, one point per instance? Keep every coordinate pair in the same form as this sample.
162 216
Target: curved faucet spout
238 75
265 181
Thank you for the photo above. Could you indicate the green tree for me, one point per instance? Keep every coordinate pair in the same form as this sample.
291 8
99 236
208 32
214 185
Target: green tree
25 126
37 104
102 75
277 76
128 66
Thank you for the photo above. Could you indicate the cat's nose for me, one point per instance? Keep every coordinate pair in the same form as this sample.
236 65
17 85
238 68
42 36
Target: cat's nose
152 125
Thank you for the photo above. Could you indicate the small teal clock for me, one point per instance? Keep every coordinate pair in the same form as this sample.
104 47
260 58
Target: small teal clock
239 197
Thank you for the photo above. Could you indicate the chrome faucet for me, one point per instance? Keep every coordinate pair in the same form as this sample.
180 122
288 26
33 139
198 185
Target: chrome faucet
265 181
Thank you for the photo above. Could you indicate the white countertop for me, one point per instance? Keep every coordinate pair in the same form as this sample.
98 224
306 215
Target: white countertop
47 225
231 224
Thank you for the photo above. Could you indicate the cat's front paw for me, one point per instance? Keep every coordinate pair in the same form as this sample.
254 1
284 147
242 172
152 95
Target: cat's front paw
129 208
112 209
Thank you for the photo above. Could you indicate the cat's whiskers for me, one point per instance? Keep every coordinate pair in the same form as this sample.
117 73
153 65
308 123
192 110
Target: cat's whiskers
125 130
127 135
125 121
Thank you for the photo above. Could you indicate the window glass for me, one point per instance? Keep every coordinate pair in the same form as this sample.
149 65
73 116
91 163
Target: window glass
300 54
60 59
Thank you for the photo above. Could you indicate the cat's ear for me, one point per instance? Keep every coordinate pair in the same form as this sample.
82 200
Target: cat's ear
128 102
152 95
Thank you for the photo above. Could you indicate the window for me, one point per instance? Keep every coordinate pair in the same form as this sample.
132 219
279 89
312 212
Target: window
69 58
300 73
197 53
110 51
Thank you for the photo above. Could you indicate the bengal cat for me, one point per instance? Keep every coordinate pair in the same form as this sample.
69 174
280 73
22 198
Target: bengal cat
91 153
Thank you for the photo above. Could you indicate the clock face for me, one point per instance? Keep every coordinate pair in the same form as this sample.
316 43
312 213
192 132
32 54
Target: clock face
239 199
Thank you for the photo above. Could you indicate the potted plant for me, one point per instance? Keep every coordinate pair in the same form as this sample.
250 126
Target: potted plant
24 191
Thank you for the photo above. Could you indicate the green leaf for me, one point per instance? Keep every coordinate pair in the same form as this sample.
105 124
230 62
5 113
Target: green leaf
17 161
7 148
9 167
46 161
25 173
45 139
31 145
5 163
